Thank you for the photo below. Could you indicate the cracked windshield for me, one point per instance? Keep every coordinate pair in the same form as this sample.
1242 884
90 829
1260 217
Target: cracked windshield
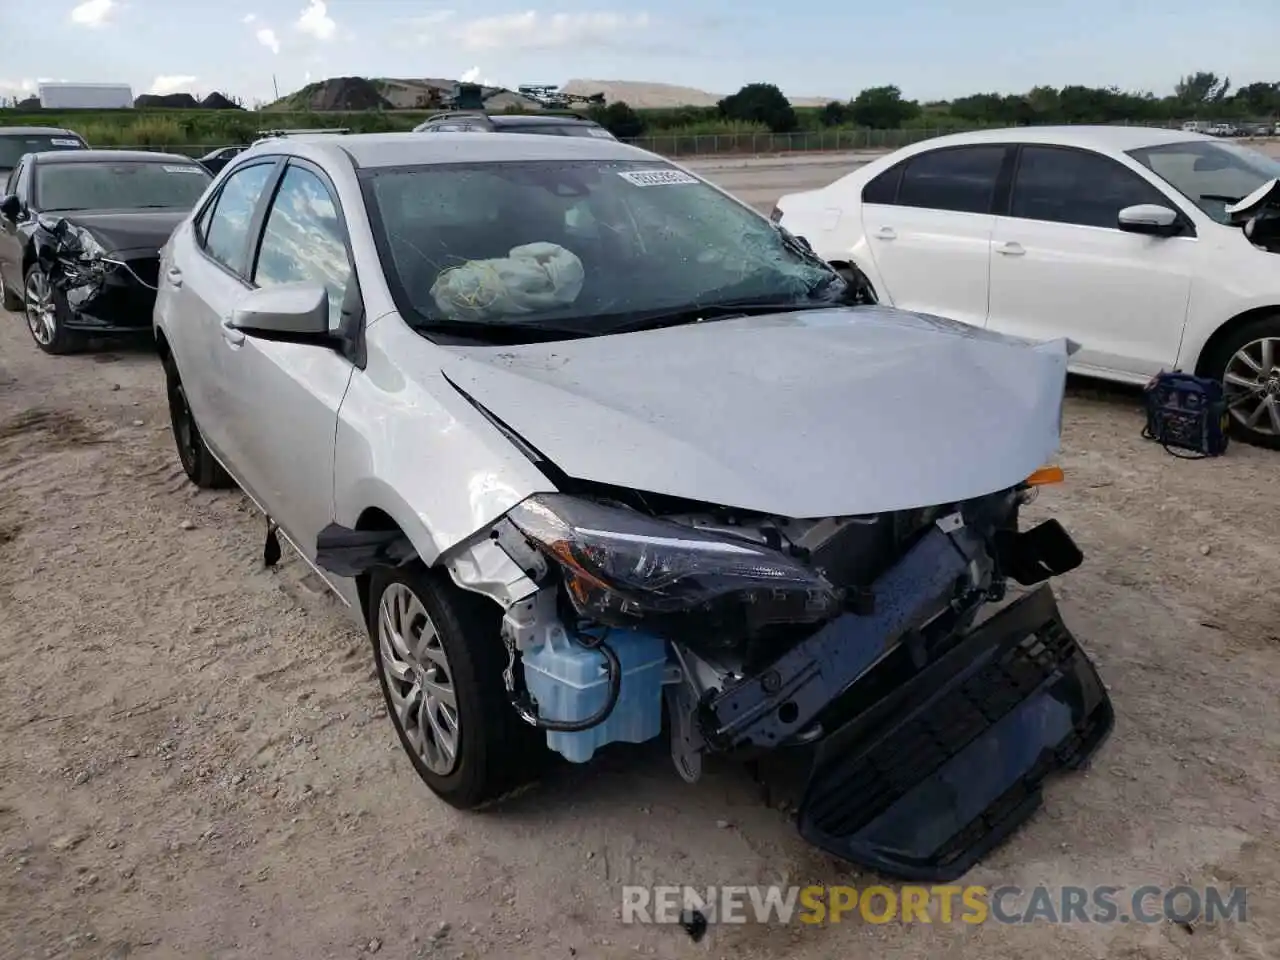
573 241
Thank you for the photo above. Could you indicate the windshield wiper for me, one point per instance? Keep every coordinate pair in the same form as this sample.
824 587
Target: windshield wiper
698 313
521 331
1220 198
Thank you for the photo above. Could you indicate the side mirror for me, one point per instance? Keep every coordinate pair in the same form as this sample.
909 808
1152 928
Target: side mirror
10 207
289 312
1151 219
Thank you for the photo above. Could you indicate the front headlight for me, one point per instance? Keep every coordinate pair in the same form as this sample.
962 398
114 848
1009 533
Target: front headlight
622 567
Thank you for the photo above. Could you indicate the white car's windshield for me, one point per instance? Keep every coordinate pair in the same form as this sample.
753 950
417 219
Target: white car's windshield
114 185
1211 175
588 246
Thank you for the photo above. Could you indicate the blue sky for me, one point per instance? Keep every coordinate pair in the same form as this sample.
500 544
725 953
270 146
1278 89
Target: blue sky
930 48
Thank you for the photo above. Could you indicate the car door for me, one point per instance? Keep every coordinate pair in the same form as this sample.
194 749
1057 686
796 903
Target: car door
10 234
284 397
928 222
1061 267
205 277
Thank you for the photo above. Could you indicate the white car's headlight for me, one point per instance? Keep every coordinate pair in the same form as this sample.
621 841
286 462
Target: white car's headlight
622 567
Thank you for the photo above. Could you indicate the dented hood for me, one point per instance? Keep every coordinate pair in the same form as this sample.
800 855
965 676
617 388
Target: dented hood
129 229
809 414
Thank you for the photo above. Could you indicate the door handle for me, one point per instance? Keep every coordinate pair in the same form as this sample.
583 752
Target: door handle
886 233
1011 249
231 334
174 276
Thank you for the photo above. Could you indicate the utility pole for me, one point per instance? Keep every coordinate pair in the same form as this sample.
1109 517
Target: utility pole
275 86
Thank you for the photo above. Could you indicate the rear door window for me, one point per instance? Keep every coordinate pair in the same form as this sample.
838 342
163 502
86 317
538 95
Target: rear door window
1060 185
226 235
960 179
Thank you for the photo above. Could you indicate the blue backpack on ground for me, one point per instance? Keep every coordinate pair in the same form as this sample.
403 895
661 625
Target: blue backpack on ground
1186 412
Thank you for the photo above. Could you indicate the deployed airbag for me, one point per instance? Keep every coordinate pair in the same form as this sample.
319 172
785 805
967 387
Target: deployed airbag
530 279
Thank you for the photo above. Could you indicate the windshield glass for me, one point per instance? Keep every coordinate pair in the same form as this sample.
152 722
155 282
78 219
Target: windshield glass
128 185
582 244
1211 175
14 145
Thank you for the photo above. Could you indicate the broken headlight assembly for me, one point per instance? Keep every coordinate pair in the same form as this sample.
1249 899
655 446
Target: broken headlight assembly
624 568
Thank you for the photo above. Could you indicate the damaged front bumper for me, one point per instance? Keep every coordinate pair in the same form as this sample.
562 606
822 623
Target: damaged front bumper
931 739
924 781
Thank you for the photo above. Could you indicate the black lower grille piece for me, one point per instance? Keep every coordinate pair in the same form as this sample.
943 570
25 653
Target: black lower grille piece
923 783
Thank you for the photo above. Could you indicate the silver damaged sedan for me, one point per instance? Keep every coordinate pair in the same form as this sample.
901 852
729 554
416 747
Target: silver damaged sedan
597 454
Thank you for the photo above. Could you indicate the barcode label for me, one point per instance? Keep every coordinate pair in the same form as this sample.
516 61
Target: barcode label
656 178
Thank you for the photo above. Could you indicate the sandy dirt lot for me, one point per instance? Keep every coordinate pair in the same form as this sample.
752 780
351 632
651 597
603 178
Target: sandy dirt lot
195 762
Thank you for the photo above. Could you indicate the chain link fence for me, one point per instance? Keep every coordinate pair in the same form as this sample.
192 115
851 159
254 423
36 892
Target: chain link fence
685 145
705 144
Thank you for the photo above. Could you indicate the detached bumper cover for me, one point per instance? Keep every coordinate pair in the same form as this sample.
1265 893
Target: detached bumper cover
927 780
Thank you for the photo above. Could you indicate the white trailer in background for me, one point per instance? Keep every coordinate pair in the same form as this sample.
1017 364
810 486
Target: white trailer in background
86 96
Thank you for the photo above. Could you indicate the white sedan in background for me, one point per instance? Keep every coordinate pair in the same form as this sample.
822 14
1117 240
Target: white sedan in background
1116 237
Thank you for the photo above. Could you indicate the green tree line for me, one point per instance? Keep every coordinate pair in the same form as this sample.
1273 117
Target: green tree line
1197 96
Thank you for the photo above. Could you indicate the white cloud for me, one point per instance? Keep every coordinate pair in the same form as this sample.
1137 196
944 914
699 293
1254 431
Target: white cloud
531 30
267 37
249 18
12 87
316 21
473 76
92 13
165 85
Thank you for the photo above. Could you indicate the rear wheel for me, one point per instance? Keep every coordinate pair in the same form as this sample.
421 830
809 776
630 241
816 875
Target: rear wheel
46 315
439 657
198 463
1248 364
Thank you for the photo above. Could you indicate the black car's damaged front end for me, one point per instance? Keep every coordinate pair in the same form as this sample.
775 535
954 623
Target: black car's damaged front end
97 291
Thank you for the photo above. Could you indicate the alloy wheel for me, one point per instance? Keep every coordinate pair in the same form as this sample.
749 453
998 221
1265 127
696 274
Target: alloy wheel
418 677
1252 384
42 318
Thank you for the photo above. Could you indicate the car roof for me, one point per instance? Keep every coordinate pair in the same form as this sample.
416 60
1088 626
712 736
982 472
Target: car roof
412 149
38 131
101 156
1106 138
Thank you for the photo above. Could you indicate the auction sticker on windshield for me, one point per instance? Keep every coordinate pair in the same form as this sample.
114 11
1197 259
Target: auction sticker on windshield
63 142
656 178
184 170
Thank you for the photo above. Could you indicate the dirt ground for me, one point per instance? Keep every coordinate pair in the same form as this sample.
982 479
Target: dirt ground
194 759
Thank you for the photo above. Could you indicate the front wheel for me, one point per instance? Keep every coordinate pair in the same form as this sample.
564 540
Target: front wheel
46 315
1248 364
439 657
197 462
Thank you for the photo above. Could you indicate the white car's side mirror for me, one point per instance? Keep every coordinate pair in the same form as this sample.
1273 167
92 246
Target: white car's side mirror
1152 219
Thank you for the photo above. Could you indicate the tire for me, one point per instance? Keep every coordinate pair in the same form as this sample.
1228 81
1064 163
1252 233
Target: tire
8 299
864 292
495 753
60 341
197 462
1253 394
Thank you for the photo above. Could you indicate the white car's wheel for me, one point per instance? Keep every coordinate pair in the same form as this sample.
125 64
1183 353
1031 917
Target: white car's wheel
1248 364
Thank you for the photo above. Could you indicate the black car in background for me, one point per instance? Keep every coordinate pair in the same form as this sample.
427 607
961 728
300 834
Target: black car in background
556 125
215 160
15 141
80 239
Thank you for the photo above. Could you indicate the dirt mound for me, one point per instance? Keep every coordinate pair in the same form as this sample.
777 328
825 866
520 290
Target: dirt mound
171 101
216 101
346 93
